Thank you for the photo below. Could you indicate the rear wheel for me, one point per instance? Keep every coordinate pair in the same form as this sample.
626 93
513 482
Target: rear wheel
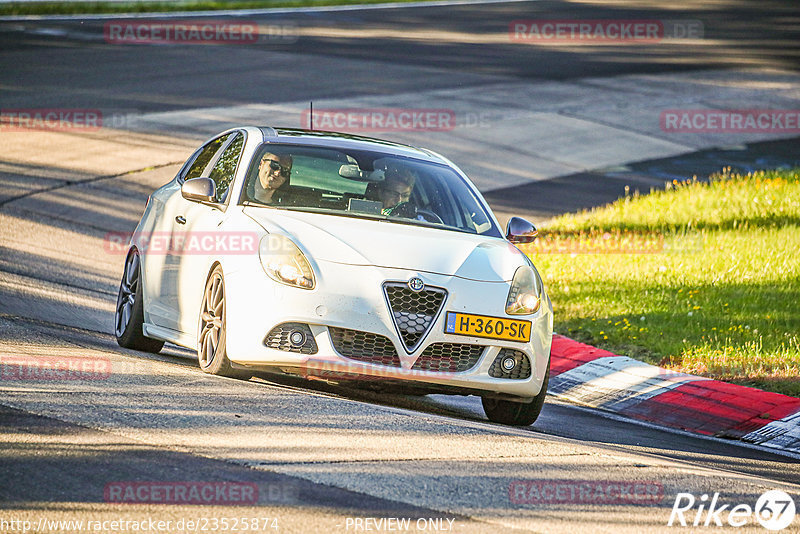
211 352
516 413
129 316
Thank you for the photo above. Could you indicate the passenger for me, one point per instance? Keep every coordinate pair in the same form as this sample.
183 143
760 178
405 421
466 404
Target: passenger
273 172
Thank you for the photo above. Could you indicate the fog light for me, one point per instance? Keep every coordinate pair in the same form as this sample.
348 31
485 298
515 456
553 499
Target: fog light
297 338
509 363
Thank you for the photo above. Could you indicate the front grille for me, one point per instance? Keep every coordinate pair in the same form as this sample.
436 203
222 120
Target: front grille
278 338
413 312
364 346
520 371
449 357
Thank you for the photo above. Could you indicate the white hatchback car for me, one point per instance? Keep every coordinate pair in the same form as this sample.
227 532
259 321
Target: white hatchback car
341 258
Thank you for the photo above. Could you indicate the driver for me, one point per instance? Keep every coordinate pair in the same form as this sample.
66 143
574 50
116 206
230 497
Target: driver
395 189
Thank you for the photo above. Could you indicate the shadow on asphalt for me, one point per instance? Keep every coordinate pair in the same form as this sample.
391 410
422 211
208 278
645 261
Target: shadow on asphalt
548 198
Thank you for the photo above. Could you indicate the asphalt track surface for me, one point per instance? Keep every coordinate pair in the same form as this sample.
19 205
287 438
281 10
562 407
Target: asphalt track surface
329 453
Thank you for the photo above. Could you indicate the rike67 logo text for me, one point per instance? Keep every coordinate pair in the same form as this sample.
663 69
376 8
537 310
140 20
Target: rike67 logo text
774 510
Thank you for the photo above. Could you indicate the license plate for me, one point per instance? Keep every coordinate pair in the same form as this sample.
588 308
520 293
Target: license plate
467 324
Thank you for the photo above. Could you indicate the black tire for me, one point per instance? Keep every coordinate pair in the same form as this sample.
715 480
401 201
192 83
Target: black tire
516 413
211 333
129 315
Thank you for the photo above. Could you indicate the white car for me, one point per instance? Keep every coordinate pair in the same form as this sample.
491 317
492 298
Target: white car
341 258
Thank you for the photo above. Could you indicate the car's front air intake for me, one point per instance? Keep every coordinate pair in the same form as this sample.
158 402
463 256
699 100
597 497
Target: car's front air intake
364 346
413 312
449 357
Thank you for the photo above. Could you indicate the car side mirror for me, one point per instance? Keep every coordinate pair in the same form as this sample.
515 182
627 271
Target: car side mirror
199 190
519 230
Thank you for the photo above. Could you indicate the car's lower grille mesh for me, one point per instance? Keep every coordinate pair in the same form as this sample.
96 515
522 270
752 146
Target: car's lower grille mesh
278 338
413 312
521 370
449 357
364 346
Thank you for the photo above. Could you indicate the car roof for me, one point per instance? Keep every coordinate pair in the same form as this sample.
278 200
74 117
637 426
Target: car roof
344 141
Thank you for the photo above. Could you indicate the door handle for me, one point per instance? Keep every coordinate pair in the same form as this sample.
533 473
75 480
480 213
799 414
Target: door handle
180 219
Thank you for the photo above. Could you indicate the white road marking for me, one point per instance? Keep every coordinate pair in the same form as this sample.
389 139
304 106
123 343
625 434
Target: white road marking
783 434
616 382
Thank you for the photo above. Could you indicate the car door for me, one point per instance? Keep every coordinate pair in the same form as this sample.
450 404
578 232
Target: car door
170 231
205 224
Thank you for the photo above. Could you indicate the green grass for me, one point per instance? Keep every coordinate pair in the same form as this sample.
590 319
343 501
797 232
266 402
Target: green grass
720 296
145 6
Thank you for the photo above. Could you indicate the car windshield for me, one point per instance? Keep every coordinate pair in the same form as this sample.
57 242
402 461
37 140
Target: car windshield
365 184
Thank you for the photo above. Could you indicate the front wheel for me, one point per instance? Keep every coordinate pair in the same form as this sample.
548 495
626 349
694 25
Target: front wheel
516 413
211 352
129 316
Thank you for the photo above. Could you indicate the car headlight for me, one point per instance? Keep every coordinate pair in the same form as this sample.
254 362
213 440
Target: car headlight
284 263
525 295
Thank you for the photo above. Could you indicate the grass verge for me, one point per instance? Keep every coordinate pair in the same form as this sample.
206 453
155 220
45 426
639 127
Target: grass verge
703 277
145 6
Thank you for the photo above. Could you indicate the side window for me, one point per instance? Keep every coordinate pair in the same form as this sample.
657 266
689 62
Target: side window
204 157
225 168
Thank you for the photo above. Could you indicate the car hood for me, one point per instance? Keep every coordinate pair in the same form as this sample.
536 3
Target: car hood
358 241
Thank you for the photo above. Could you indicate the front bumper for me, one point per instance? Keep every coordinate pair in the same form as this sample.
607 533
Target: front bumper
352 298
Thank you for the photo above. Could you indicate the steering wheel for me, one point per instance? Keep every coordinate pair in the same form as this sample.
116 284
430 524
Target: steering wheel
406 210
430 216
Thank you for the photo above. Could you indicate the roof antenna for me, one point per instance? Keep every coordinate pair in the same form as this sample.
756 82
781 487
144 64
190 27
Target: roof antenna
311 115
